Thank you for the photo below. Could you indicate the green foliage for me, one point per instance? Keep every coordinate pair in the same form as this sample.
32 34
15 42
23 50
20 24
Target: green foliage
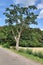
22 43
29 37
39 54
6 45
22 50
18 12
32 38
28 51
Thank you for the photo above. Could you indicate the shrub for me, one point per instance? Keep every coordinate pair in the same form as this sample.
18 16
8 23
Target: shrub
34 53
38 54
28 51
23 43
22 50
6 45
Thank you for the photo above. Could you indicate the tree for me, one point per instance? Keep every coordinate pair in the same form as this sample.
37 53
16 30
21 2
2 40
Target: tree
20 17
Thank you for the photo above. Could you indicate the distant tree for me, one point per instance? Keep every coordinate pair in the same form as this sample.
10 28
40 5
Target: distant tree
20 17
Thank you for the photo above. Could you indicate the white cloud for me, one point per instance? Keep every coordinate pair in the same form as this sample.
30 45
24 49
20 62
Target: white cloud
25 2
40 14
40 6
41 29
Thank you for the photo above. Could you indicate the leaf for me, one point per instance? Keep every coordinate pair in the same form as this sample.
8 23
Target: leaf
32 7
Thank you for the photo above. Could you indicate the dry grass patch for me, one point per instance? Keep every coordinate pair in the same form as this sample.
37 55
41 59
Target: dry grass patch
34 49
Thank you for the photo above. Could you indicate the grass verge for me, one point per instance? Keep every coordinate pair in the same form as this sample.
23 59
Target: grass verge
37 59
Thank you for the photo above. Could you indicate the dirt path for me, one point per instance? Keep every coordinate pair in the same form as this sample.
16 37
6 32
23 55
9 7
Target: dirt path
9 58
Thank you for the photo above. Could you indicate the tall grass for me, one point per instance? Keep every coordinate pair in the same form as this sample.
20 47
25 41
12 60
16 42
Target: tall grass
29 51
38 54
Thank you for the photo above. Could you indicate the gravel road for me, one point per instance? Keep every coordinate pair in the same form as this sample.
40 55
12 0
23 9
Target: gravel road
8 57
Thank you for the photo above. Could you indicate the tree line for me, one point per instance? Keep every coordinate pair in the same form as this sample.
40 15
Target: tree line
30 37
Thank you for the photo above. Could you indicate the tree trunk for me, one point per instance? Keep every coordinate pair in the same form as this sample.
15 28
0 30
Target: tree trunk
17 44
17 41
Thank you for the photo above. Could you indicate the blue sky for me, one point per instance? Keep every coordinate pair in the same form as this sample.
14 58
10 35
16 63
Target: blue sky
38 3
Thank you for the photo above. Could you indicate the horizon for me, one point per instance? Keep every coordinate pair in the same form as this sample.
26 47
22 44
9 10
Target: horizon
39 4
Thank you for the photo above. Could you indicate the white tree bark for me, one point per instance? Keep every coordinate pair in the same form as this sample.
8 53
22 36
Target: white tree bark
17 41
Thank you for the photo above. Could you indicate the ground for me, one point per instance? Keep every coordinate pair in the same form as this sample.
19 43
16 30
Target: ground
8 57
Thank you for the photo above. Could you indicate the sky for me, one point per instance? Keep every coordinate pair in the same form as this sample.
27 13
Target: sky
38 3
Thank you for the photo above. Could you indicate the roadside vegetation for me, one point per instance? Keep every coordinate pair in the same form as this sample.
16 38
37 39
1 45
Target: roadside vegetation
35 53
29 37
28 53
34 58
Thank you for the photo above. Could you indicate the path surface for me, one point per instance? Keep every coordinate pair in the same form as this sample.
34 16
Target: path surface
9 58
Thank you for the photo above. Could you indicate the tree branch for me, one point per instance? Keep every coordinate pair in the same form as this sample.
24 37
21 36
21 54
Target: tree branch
13 34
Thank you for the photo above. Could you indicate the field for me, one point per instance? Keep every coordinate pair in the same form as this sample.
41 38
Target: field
35 49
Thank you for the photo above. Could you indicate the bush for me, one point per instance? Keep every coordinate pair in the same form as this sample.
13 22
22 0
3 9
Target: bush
6 45
23 43
38 54
28 51
22 50
29 43
34 53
